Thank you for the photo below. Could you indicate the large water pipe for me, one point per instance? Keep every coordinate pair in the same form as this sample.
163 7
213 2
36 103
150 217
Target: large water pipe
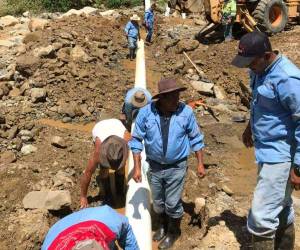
147 4
138 206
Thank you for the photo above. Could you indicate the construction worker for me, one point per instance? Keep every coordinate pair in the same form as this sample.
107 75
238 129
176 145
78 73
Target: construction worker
135 99
132 32
94 228
274 130
149 22
110 152
169 130
228 17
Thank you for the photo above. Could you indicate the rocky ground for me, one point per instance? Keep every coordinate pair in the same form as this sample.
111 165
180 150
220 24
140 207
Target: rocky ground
60 74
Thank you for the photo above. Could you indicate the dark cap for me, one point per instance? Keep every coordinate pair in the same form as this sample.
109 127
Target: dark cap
251 45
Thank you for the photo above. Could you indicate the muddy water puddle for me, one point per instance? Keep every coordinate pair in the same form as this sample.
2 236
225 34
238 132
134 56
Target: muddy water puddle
242 173
86 128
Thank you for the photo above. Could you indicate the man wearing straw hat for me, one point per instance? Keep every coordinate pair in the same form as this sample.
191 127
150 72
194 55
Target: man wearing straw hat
169 130
135 99
110 152
132 32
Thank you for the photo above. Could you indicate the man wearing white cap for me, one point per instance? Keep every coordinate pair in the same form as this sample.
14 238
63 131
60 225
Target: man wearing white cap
132 31
110 151
135 99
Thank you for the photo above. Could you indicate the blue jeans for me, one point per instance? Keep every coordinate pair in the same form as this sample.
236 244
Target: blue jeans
228 31
132 42
149 34
272 205
166 184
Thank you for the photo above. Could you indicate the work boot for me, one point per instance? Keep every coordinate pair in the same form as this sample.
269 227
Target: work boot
119 183
108 197
131 54
172 234
285 238
162 227
262 243
134 53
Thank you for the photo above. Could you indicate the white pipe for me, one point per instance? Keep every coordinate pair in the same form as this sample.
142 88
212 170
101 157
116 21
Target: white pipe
147 4
138 194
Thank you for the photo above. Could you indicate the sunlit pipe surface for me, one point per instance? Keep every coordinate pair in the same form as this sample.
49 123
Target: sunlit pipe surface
147 4
138 194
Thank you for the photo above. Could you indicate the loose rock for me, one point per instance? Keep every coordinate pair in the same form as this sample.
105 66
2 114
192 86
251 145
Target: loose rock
59 142
204 88
28 149
7 21
38 95
51 200
7 157
227 190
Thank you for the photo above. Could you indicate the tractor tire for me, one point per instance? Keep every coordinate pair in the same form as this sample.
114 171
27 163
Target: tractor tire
271 15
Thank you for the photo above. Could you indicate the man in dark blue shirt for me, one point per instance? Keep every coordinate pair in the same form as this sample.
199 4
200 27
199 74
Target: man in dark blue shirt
169 131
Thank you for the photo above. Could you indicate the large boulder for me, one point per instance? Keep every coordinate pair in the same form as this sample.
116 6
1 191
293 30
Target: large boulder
38 94
4 89
66 109
204 88
7 43
37 24
7 157
186 45
51 200
8 21
58 142
28 149
44 51
79 55
27 64
86 10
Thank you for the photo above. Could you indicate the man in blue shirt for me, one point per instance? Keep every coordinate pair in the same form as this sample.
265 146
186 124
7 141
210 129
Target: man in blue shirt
149 22
135 99
91 228
274 130
132 32
169 130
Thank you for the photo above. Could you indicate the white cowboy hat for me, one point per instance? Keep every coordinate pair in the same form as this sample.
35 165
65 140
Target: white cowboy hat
135 17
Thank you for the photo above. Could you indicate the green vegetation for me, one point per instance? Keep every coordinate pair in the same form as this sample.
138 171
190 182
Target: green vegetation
17 7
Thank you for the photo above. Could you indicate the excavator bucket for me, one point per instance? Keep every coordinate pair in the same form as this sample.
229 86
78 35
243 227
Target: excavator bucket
210 27
247 20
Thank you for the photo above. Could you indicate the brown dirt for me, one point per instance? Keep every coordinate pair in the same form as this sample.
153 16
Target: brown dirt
100 84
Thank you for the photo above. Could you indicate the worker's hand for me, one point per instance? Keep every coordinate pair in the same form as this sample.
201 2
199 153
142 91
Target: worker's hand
83 202
295 180
247 137
201 170
137 175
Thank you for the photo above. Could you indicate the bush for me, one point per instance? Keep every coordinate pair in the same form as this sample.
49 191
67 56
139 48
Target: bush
17 7
63 5
118 3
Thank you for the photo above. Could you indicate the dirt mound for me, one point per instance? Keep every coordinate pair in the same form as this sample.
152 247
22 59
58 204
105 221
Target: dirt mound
77 60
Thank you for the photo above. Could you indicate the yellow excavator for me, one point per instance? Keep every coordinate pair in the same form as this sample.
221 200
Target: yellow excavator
270 16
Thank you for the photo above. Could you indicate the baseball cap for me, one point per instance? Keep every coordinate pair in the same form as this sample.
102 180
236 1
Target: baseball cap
251 45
